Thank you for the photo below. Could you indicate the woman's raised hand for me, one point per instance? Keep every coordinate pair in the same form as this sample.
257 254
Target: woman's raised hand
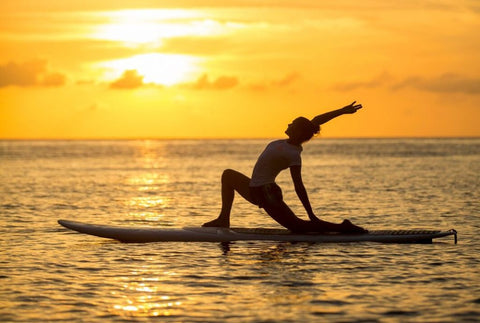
352 107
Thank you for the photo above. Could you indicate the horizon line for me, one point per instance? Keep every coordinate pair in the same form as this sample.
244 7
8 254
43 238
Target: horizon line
224 138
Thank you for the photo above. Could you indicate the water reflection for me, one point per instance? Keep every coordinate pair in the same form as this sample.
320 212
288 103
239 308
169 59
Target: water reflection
147 216
148 208
150 154
147 306
144 298
145 202
150 182
225 247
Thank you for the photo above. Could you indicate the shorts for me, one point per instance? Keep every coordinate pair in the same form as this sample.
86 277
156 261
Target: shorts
268 194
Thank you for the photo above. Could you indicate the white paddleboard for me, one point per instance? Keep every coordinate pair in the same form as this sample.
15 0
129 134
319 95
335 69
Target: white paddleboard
201 234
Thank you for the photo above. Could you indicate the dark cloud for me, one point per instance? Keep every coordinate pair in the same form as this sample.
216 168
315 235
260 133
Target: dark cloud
445 83
130 79
379 80
221 83
30 73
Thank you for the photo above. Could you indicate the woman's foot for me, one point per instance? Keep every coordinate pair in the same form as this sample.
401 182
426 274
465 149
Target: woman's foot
349 227
219 223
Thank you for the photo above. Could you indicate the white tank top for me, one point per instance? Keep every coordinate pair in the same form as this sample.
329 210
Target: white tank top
277 156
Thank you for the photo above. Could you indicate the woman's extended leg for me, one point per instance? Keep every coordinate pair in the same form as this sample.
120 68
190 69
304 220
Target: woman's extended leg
281 213
231 181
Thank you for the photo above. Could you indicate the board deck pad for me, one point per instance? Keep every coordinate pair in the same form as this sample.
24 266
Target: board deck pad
374 232
211 234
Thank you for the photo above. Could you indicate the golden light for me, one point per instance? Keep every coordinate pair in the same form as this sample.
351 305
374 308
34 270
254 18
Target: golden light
142 299
148 30
149 181
164 69
136 27
148 202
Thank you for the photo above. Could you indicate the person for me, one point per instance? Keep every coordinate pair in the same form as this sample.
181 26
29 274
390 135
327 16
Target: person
262 190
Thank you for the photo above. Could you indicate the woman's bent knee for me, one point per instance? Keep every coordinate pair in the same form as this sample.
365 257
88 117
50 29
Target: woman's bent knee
233 175
228 174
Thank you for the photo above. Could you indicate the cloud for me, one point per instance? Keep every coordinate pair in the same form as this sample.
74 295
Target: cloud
130 79
377 81
221 83
444 83
286 81
30 73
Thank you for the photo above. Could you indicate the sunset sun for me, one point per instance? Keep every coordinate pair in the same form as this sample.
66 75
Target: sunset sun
163 69
148 29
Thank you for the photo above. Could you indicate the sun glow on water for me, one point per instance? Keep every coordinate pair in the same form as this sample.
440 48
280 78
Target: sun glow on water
144 297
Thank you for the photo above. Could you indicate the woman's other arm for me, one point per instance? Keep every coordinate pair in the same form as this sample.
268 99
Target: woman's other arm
296 173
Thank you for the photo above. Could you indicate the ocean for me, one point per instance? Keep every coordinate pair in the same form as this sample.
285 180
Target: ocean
50 274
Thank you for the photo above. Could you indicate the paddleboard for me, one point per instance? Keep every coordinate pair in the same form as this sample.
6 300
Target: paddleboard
201 234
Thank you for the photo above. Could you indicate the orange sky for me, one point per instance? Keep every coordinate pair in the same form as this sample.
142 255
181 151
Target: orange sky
183 69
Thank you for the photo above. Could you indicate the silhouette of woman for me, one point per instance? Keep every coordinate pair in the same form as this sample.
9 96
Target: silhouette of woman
262 190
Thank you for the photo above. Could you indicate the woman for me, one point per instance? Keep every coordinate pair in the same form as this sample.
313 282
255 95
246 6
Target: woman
262 190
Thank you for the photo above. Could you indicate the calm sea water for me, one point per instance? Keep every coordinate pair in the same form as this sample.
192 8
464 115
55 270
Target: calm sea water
50 274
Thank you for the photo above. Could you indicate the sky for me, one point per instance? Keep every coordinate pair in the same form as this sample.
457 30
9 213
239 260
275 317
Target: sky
84 69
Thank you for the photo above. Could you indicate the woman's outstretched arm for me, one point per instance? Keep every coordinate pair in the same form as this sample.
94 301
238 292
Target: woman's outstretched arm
325 117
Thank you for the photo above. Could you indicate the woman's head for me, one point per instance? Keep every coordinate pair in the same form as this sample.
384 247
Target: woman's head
301 129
